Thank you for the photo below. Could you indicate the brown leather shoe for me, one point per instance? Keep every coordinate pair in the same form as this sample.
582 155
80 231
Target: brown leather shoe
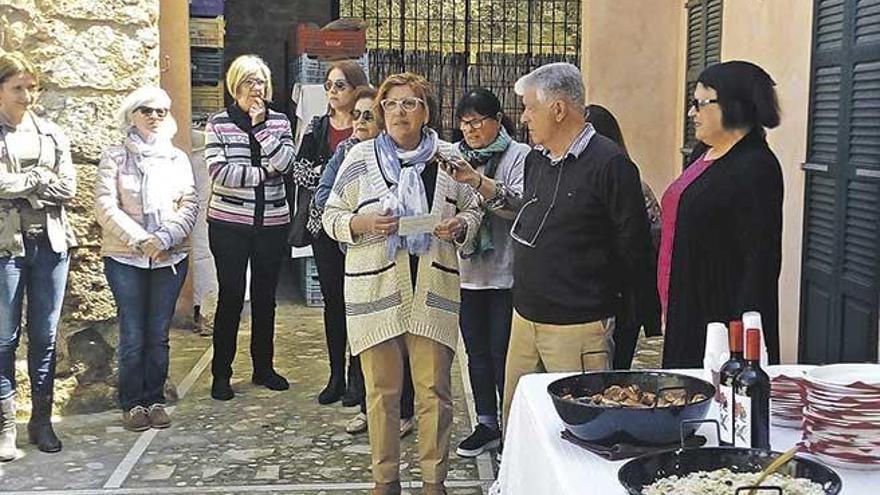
136 419
159 418
392 488
433 489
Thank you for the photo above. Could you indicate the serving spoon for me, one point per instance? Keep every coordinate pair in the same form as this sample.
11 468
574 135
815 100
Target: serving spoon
773 467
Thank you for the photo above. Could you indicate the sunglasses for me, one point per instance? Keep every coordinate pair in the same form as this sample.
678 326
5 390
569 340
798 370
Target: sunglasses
367 115
160 112
407 104
697 104
339 84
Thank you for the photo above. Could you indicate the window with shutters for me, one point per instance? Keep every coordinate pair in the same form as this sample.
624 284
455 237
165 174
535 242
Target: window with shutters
841 256
703 49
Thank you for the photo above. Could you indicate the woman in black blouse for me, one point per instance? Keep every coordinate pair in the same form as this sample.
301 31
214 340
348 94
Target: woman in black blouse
720 250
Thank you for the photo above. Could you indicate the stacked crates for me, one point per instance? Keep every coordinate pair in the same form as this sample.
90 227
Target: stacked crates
311 287
313 50
207 30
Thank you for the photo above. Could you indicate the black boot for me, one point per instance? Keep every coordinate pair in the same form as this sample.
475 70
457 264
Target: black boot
354 391
39 428
333 391
270 379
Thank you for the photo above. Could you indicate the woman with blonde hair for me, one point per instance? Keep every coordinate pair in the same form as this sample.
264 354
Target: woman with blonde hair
37 179
402 289
146 205
248 149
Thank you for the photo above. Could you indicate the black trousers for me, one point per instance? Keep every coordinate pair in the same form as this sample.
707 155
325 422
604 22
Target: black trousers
331 273
233 248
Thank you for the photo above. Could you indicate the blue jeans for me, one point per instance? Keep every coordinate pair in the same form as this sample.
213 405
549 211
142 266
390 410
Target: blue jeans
145 301
40 276
485 326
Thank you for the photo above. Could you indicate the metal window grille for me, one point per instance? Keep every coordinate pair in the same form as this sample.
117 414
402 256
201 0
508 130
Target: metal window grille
462 44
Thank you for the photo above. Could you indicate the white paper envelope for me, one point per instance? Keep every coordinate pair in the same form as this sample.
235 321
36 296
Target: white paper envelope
418 224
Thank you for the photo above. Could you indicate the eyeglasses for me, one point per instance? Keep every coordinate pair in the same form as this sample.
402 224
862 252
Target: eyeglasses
534 201
367 115
698 104
160 112
339 84
254 81
474 124
408 104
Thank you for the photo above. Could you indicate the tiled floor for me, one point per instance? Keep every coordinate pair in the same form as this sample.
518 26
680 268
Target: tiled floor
262 441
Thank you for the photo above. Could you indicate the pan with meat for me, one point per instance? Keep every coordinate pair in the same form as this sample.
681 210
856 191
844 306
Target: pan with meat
630 407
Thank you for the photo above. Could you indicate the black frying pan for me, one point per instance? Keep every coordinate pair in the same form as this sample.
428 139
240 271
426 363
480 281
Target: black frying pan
641 472
637 426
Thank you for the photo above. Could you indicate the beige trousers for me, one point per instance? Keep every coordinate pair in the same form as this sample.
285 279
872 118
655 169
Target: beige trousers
539 347
431 364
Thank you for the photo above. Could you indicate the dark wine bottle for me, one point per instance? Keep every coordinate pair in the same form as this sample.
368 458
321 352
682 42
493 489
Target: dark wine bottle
726 380
751 403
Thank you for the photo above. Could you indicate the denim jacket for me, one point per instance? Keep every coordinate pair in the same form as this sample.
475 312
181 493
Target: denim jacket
50 189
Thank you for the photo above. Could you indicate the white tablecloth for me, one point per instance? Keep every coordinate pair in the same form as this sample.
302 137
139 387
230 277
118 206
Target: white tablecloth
537 461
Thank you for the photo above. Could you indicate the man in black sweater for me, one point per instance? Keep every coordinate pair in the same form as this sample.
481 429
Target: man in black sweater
582 234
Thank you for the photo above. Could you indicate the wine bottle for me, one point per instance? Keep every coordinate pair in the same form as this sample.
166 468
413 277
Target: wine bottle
751 402
727 377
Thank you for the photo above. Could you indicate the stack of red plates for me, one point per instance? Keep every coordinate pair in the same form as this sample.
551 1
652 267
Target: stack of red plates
787 384
842 415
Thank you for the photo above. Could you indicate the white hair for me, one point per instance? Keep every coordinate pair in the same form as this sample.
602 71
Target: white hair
147 96
560 80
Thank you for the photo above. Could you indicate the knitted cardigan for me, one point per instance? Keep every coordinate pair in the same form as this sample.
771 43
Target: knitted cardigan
239 190
380 302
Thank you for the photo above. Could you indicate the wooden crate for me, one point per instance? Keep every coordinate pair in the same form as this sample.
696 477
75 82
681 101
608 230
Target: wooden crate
207 32
207 100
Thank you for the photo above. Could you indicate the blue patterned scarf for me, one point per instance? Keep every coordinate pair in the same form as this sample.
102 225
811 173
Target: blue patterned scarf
408 196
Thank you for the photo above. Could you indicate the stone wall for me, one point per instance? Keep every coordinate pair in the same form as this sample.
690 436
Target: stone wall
263 28
90 55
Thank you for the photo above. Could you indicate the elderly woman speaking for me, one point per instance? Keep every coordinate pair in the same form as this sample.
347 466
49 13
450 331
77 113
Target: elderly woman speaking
402 283
146 205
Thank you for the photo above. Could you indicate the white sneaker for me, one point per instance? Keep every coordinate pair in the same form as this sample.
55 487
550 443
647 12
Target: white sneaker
406 427
357 424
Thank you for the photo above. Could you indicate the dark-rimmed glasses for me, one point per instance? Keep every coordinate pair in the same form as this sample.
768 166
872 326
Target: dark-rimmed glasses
474 124
697 103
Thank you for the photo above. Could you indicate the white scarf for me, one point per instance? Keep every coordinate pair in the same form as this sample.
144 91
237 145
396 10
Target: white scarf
155 160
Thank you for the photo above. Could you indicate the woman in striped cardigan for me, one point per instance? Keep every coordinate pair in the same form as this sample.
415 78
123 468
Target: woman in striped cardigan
401 291
248 149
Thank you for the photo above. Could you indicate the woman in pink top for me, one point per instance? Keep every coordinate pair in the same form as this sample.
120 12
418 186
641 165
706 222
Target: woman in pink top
720 249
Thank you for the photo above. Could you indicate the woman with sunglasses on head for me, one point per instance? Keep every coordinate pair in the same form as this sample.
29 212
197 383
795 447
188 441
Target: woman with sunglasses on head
37 179
493 160
322 137
248 150
403 221
365 127
721 242
145 202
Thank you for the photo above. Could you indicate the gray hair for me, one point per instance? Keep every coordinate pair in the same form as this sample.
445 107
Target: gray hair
149 96
561 80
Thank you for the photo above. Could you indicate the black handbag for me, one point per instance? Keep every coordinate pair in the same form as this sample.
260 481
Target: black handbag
299 235
315 149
